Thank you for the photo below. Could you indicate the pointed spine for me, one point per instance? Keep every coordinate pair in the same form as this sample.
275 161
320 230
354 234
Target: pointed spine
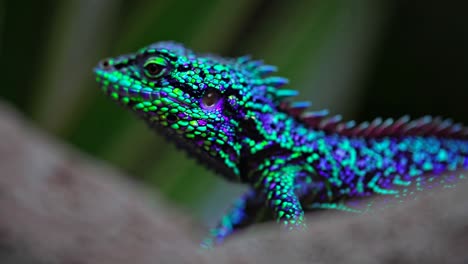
265 69
313 119
284 93
276 81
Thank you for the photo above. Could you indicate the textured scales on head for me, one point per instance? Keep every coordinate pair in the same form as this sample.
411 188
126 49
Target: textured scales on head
204 103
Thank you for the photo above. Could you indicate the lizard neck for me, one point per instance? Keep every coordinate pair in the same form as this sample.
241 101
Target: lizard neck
275 136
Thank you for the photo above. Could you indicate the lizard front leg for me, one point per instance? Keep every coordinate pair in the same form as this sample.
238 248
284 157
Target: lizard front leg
278 188
274 190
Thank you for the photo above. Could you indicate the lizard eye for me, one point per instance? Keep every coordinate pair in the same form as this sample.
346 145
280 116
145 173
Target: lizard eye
155 67
210 99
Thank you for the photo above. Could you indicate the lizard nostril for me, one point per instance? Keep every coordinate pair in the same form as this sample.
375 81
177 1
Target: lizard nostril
105 64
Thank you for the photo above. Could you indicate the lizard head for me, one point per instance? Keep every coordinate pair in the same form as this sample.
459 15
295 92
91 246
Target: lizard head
201 102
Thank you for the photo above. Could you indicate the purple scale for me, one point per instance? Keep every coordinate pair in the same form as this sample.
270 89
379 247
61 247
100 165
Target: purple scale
184 116
272 186
438 168
385 185
146 95
349 178
201 122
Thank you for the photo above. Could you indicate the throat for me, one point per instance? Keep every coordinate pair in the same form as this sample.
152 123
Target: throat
222 160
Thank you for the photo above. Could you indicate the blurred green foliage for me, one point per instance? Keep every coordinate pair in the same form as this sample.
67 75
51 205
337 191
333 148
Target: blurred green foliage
328 49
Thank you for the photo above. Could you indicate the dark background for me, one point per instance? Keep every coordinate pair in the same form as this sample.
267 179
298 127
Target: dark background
361 58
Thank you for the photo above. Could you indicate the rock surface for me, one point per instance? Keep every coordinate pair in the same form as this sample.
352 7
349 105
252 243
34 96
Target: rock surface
59 206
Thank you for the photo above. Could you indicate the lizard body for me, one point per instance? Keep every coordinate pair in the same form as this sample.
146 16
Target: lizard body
232 115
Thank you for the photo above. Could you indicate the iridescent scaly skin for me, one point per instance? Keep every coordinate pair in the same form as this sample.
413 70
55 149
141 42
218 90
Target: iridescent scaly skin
230 114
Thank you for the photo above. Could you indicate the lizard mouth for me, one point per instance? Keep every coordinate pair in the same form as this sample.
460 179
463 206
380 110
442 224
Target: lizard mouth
128 90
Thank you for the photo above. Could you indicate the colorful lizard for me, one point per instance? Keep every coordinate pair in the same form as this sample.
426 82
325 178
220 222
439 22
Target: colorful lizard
231 115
